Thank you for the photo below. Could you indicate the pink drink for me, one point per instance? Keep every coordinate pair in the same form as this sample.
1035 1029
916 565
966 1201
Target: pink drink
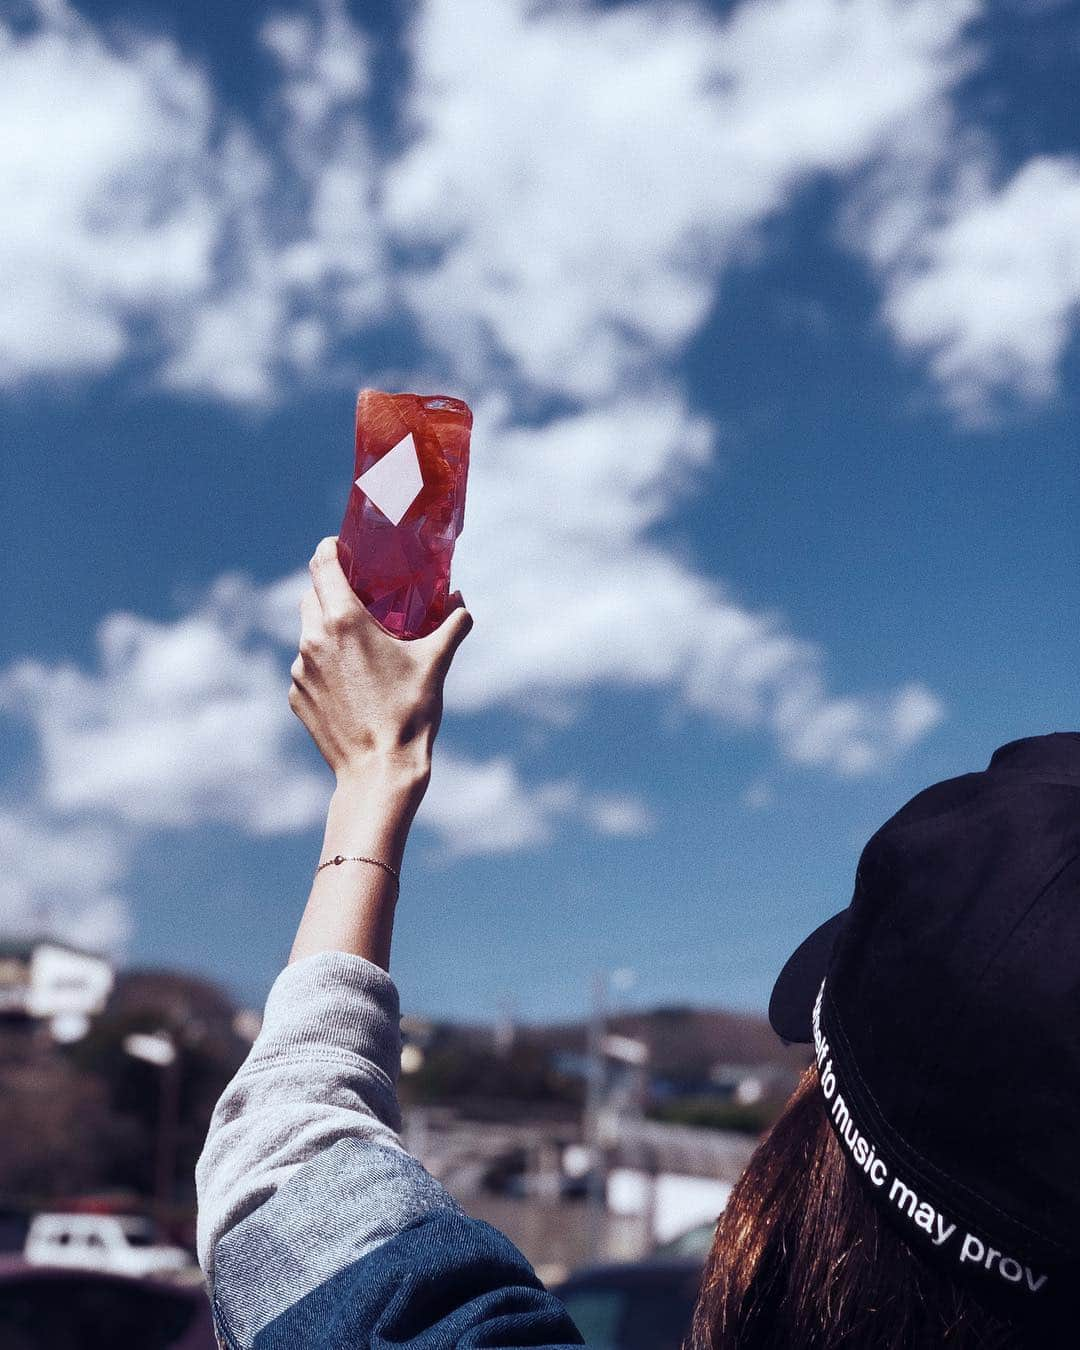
406 507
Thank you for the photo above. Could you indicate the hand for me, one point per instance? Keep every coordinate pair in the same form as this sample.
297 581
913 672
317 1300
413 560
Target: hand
369 700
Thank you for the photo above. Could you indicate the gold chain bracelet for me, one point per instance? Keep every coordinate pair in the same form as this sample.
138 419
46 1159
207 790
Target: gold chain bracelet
340 858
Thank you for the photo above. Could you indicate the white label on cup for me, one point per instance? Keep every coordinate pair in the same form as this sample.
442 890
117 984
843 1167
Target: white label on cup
394 482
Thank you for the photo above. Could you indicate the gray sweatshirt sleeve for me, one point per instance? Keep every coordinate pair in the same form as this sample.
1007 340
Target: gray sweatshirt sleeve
323 1070
316 1228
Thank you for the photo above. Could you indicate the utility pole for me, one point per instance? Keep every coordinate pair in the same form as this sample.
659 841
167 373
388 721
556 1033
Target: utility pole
595 1091
160 1049
165 1163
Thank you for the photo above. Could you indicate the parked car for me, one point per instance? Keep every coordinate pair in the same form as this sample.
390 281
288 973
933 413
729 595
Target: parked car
42 1308
125 1244
14 1225
640 1305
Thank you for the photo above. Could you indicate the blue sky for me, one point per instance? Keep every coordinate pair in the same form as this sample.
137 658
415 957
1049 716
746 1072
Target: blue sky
768 316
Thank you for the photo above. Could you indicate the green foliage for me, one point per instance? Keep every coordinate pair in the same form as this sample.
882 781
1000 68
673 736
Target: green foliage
84 1118
712 1113
456 1071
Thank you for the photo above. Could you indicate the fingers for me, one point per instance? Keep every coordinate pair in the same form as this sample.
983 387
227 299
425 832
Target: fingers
310 638
451 633
312 624
335 595
296 698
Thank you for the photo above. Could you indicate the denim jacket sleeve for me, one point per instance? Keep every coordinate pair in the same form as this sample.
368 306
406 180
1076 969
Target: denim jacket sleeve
316 1228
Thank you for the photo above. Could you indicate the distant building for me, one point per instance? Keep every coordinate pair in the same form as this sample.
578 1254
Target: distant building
747 1084
671 1177
51 982
247 1023
418 1035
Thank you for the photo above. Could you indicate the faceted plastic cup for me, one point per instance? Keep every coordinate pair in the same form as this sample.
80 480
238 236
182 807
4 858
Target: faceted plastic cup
407 506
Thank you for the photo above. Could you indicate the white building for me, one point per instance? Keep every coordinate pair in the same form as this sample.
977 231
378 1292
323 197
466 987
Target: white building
671 1177
53 983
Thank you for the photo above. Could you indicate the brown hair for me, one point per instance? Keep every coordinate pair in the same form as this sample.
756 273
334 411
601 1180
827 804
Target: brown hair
803 1261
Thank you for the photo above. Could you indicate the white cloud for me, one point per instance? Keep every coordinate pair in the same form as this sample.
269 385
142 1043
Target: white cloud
989 292
850 735
324 59
621 817
580 179
141 220
486 807
188 723
577 181
582 176
63 879
580 233
585 176
912 712
571 592
308 255
759 795
180 724
108 191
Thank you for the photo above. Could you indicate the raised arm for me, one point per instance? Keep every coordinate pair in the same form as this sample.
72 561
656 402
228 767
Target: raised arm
316 1229
373 705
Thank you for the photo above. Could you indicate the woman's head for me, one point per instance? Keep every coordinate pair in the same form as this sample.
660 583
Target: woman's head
937 1135
803 1259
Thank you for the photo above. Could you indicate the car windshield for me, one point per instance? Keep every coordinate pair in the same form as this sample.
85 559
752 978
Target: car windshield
74 1314
622 1317
138 1233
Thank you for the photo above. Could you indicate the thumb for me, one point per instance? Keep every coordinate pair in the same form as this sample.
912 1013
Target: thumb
451 633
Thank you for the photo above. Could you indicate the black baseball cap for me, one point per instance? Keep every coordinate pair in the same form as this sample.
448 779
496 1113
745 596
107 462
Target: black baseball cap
944 1008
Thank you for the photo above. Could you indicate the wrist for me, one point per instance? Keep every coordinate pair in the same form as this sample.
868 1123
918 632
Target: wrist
394 781
371 813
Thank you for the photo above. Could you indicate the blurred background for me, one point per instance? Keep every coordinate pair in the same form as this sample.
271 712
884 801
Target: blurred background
767 312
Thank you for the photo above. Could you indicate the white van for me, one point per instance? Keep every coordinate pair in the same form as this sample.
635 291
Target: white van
121 1243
